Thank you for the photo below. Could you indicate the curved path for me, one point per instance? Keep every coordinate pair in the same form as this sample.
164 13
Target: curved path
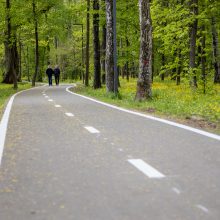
67 157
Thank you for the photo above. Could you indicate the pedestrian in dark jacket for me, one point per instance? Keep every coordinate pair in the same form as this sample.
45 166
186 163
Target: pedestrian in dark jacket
57 75
49 73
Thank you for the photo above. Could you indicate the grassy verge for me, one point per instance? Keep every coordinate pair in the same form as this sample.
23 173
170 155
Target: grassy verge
6 90
178 103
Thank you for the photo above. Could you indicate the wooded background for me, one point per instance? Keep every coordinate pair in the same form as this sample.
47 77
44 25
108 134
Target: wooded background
75 35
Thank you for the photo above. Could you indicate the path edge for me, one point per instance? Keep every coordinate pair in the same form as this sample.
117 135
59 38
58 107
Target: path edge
195 130
5 119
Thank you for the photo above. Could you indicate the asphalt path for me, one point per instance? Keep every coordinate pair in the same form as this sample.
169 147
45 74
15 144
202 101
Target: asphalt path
67 157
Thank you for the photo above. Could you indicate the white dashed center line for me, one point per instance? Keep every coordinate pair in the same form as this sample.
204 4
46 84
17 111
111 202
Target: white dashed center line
91 129
58 106
69 114
177 191
204 209
146 169
50 100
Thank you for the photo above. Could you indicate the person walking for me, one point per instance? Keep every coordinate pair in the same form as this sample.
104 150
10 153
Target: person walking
49 73
57 75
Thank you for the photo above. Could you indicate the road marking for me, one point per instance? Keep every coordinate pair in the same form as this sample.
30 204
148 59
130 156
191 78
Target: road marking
203 208
91 129
146 168
177 191
4 122
120 149
69 114
195 130
4 125
50 100
46 96
58 106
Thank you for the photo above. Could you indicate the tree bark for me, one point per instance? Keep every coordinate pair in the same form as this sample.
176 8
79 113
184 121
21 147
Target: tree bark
103 52
87 43
216 57
109 63
96 44
193 36
203 60
36 44
10 50
179 67
163 64
145 62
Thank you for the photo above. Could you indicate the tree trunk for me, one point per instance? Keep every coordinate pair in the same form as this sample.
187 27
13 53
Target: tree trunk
10 53
28 68
96 43
179 67
203 59
36 44
109 64
215 52
56 46
103 52
145 61
127 63
193 36
163 64
87 43
20 61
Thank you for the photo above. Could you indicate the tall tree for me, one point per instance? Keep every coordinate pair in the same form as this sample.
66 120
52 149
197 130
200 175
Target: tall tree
103 46
109 63
193 37
87 42
96 43
10 50
36 72
145 61
216 55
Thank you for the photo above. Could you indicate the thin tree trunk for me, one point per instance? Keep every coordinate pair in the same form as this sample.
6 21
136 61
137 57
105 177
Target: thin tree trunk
103 52
87 43
145 62
36 44
127 63
10 45
215 52
203 59
193 36
96 43
28 69
179 67
163 64
109 47
127 45
20 61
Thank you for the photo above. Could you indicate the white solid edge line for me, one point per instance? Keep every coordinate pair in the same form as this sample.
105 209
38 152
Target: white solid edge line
195 130
91 130
4 121
146 168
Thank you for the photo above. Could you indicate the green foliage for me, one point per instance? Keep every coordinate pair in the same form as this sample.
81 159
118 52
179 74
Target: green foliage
7 90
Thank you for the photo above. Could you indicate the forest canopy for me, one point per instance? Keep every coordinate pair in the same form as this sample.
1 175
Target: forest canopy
181 41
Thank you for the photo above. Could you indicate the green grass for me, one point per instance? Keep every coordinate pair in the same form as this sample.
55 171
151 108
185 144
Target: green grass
6 90
169 101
